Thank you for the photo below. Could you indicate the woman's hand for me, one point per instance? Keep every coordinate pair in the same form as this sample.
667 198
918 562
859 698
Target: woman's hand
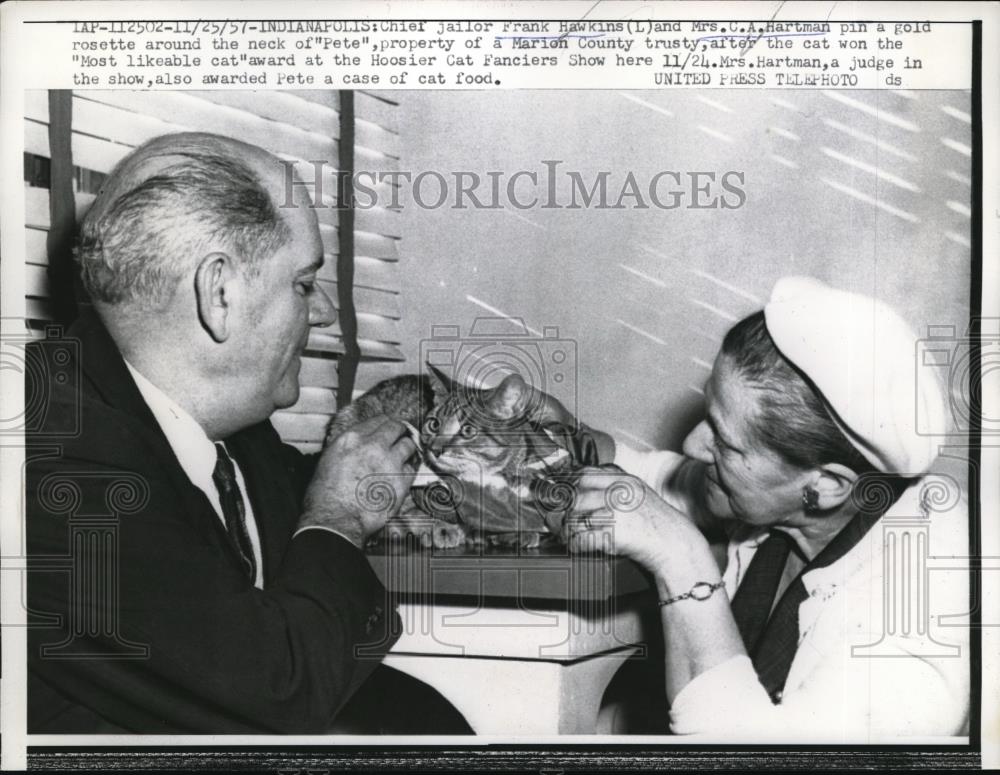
616 513
543 408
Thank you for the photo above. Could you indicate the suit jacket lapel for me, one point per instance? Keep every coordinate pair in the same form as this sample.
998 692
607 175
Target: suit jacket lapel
275 504
105 369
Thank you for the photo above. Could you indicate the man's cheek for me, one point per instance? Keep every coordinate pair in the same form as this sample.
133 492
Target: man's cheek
718 502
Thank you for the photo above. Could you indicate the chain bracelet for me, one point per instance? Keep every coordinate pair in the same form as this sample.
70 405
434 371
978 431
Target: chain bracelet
700 591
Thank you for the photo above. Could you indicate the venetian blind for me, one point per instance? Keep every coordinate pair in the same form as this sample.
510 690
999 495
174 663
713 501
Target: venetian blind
301 126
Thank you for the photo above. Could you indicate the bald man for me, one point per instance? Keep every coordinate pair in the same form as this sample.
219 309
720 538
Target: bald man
188 572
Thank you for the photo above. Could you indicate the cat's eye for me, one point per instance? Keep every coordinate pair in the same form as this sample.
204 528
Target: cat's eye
432 425
468 431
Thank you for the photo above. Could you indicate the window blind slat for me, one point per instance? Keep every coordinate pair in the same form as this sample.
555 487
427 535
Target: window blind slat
324 193
326 97
106 121
376 110
300 126
38 309
182 110
35 251
285 107
36 105
375 246
36 281
371 373
372 136
315 400
330 248
318 372
36 138
378 327
322 340
384 303
379 351
117 113
306 447
370 160
99 155
300 427
378 220
36 206
375 274
369 302
329 235
328 271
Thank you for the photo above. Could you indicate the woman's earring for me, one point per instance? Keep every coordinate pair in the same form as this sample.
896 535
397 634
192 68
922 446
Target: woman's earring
810 500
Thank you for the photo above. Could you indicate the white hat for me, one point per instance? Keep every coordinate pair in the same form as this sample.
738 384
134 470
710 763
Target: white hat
862 357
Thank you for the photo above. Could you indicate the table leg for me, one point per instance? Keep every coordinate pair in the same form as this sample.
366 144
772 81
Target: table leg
519 696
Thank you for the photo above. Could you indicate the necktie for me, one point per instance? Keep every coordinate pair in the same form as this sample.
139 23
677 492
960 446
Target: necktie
234 509
773 646
752 602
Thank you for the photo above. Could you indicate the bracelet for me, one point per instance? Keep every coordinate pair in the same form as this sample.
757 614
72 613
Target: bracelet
700 591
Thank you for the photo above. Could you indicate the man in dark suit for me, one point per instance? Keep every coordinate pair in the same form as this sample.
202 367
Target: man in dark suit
188 572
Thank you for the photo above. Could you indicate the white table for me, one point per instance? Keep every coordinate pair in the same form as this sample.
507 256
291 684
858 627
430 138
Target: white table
529 645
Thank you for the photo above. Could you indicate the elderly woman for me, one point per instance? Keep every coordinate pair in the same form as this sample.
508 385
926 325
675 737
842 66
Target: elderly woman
823 623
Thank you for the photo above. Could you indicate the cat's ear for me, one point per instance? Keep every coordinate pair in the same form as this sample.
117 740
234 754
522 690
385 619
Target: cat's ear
441 385
510 398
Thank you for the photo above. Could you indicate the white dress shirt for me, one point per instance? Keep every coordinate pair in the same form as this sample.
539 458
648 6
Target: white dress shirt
863 671
197 455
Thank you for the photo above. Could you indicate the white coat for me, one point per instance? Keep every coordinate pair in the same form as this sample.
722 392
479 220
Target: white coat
883 646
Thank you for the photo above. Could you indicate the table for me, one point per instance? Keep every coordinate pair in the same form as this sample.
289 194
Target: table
522 644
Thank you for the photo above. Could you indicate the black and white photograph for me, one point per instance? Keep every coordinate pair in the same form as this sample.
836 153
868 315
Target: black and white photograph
383 427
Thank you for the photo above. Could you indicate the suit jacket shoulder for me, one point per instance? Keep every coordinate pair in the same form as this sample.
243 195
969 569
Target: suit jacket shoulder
142 620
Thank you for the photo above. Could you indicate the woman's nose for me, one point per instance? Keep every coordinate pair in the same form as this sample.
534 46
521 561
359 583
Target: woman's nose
698 443
321 309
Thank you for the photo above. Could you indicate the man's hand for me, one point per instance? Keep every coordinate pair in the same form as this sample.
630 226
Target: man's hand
361 480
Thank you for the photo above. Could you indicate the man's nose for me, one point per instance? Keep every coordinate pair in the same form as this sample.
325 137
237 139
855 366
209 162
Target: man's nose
698 443
321 310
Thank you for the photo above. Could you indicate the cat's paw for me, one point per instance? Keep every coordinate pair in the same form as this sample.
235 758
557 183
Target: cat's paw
446 535
427 533
402 532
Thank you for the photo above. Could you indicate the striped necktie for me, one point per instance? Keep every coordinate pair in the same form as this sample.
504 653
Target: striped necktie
234 510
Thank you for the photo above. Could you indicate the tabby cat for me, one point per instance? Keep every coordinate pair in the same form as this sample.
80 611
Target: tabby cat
487 469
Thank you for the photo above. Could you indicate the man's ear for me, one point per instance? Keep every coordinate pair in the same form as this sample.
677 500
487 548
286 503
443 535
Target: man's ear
213 289
833 485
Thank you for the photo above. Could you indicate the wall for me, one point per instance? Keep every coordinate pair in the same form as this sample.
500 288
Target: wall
648 293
